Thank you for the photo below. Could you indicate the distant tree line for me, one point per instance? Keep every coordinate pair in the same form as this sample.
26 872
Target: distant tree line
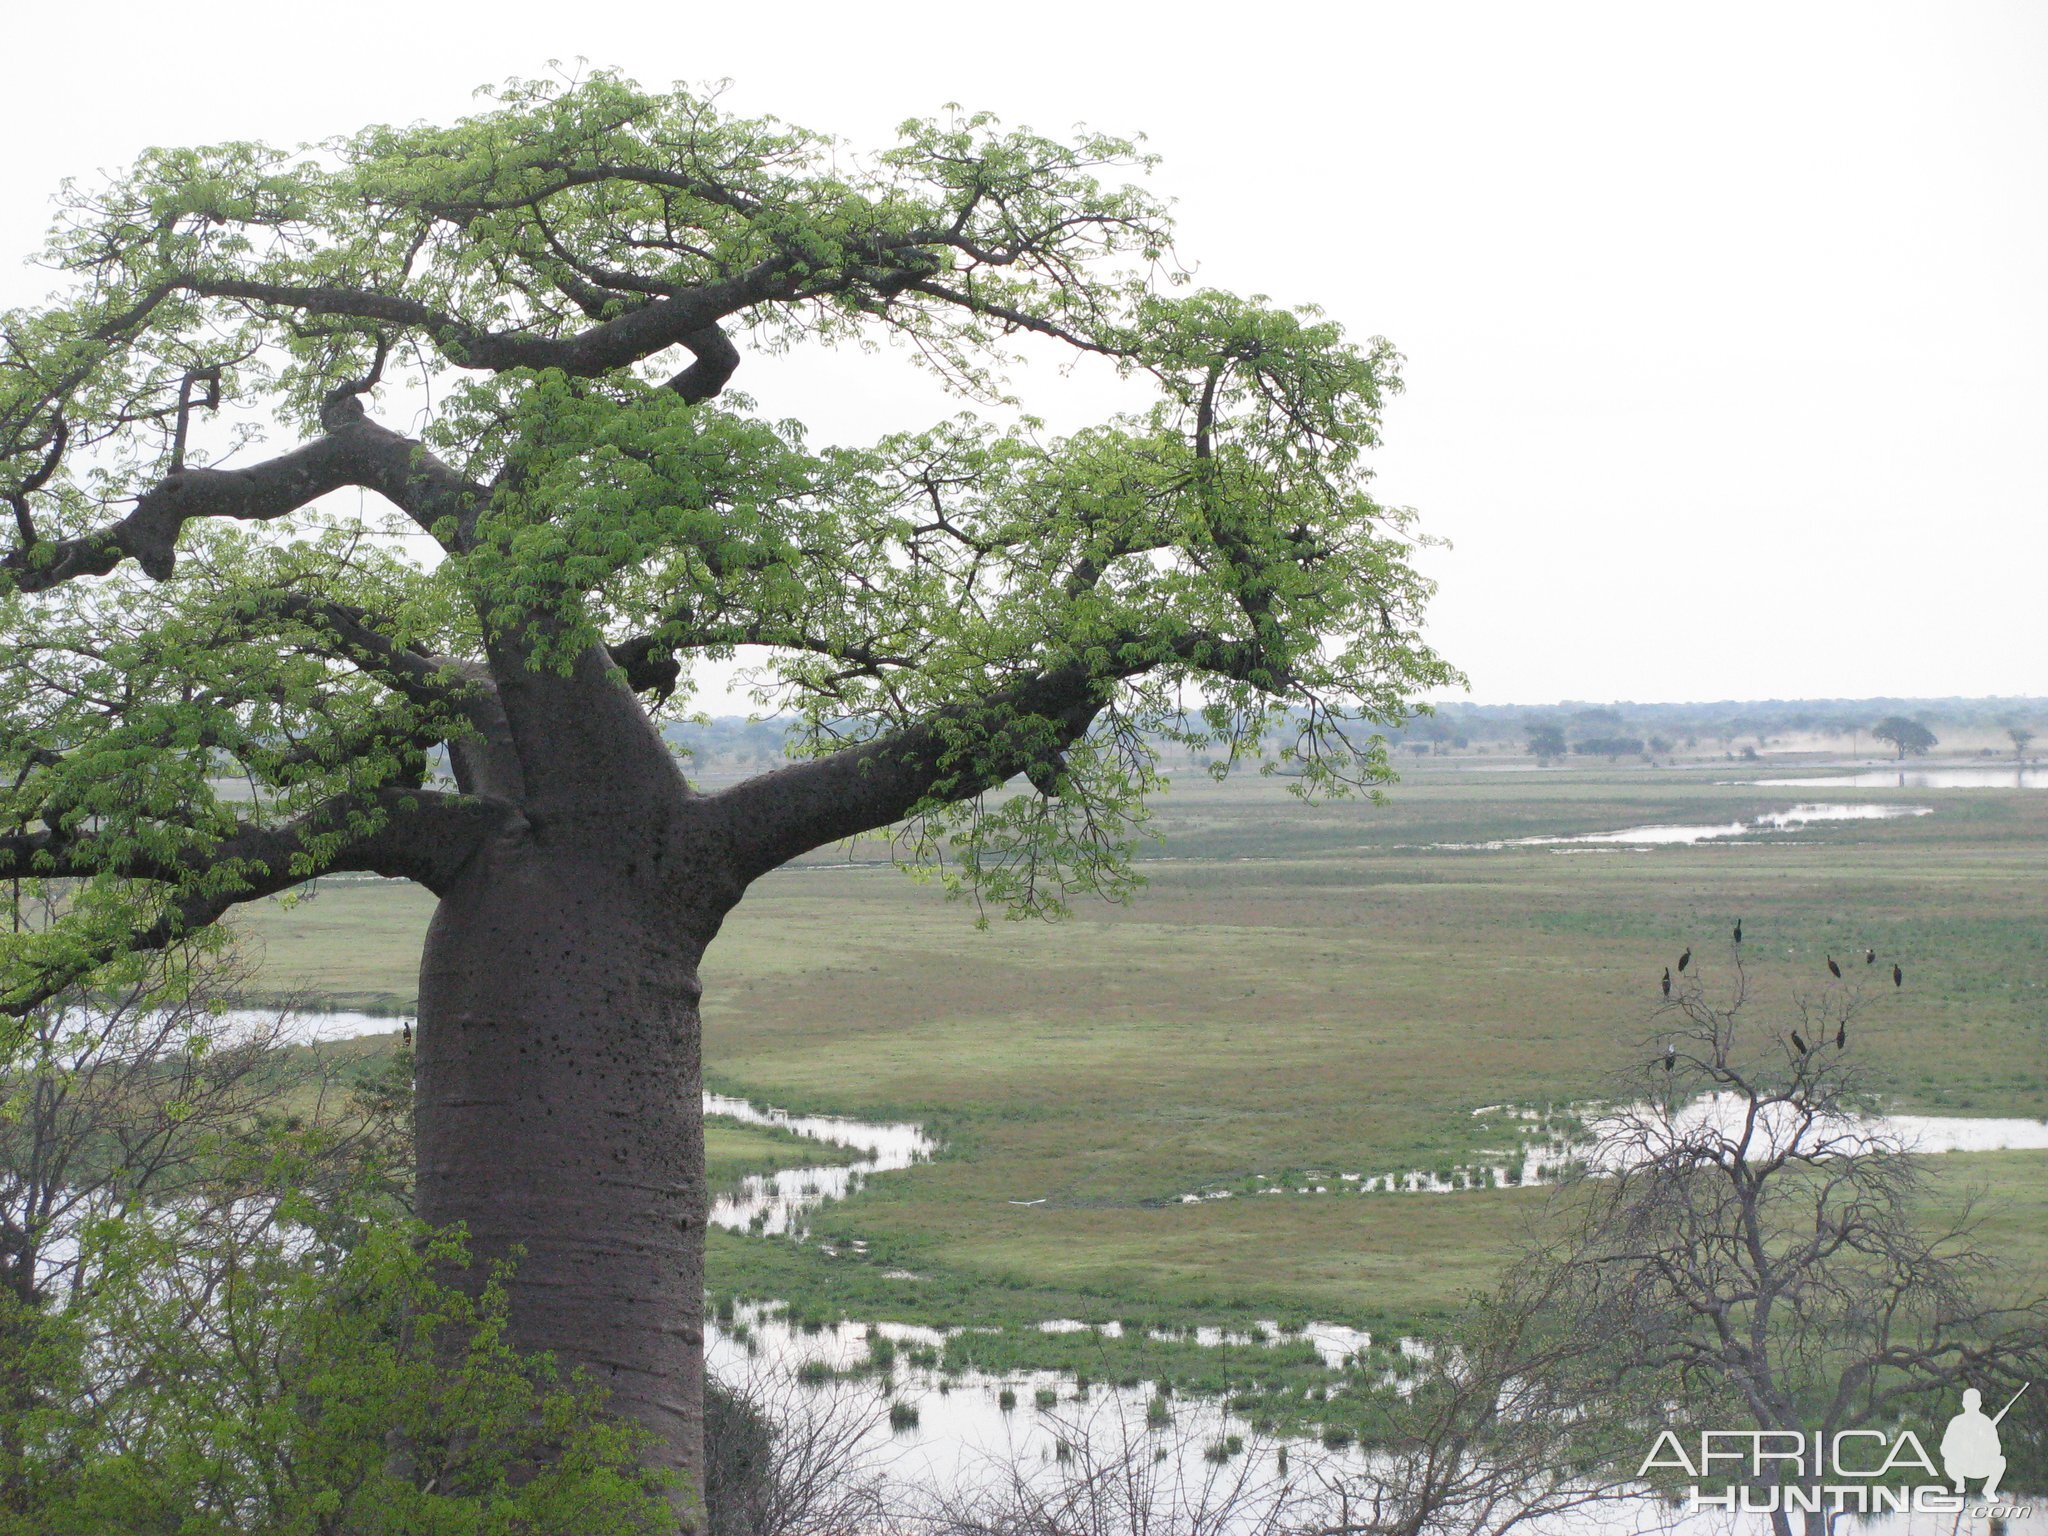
1608 746
1550 732
1722 725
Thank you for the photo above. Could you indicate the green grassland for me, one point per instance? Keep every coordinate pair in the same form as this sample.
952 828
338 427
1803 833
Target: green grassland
1306 988
732 1151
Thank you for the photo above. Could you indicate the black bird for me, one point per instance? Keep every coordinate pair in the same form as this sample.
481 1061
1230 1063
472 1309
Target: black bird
405 1032
1842 1035
1870 957
1834 970
1685 959
1670 1057
1667 981
1738 930
1898 977
1798 1044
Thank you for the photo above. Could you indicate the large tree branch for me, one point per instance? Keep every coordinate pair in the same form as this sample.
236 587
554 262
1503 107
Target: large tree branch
650 664
400 833
681 320
355 451
410 839
956 753
427 680
775 816
884 265
441 501
717 358
484 757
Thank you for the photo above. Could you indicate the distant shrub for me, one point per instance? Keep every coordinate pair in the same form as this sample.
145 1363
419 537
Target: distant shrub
1608 746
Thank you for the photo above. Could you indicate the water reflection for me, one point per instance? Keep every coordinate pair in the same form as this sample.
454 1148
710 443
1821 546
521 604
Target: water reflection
1661 834
771 1203
1637 1133
957 1428
1555 1141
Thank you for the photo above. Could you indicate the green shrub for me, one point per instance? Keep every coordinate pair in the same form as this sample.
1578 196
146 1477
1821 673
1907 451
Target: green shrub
310 1386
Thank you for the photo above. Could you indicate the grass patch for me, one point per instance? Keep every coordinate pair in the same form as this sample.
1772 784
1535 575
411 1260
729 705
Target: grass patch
1299 989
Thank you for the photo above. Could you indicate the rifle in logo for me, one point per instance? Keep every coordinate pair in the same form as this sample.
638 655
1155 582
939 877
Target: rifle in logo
1970 1448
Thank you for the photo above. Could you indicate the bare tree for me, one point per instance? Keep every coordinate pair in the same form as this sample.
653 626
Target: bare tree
142 1101
1113 1475
1750 1226
1493 1434
139 1098
783 1459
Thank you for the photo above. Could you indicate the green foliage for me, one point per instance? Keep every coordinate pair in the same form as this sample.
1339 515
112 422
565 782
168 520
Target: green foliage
1206 568
1609 746
218 1380
1546 742
1909 736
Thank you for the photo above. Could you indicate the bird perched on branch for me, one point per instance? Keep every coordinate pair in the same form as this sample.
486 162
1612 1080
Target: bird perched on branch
1667 981
1685 959
1834 970
405 1033
1898 977
1670 1057
1738 930
1798 1044
1842 1035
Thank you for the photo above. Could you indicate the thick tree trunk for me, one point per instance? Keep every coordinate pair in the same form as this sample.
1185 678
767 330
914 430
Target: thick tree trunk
559 1102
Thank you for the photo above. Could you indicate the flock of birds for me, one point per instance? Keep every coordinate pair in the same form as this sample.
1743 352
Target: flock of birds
1798 1042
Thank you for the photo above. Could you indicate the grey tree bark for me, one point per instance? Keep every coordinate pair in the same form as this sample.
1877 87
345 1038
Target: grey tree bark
558 1098
559 1083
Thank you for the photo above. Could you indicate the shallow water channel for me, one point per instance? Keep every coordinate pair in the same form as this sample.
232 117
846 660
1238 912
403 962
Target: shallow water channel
930 1429
926 1428
1681 833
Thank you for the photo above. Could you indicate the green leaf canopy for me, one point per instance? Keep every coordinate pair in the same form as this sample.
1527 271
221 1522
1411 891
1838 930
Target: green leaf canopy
241 620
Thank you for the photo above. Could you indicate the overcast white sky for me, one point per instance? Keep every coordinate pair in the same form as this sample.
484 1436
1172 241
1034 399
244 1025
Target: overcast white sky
1726 324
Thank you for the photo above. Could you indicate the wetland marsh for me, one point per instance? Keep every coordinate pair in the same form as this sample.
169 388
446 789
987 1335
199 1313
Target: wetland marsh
1298 989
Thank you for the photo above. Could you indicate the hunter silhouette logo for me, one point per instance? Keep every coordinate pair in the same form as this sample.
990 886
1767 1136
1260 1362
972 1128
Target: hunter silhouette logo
1849 1471
1970 1448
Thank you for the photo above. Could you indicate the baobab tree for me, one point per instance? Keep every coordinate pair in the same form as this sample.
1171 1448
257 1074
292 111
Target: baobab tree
245 620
